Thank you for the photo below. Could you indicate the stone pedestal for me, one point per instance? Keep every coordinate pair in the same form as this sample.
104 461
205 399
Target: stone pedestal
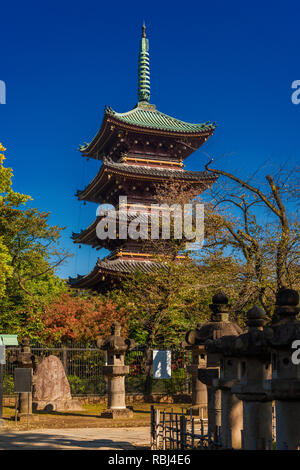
257 425
116 392
207 377
231 406
283 338
287 411
204 394
214 407
287 425
115 371
116 386
255 368
231 419
199 391
24 404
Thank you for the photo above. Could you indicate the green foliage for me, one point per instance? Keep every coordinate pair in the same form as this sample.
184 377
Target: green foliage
86 386
29 254
8 199
163 305
77 385
8 385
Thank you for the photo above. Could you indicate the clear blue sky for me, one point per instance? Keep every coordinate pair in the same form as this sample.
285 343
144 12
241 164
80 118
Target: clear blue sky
62 61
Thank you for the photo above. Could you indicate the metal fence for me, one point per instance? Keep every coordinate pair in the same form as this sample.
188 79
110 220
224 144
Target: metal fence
83 367
180 431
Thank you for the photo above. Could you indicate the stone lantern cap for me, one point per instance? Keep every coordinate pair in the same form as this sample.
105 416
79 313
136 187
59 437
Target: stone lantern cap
251 343
115 342
224 346
286 328
23 355
218 326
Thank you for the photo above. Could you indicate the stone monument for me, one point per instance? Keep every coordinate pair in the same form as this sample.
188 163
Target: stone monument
51 387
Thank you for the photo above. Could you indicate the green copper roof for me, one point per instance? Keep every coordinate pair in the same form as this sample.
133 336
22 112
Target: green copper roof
146 115
144 68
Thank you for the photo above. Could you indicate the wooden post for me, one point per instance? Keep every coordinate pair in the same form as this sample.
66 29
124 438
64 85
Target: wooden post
201 433
193 432
202 427
65 359
157 422
187 375
171 430
215 435
182 432
177 432
229 438
164 431
152 428
243 439
219 437
1 391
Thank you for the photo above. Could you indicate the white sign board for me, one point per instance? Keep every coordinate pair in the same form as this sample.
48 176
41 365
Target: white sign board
162 361
2 354
9 340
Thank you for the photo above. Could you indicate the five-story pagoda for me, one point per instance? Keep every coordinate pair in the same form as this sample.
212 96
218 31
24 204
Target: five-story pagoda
140 150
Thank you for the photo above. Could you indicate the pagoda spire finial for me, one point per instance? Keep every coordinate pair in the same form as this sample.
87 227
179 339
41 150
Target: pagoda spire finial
144 68
143 29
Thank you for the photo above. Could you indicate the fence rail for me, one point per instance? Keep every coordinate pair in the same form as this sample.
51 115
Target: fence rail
171 430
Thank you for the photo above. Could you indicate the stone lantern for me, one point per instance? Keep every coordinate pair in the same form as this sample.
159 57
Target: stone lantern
284 386
23 358
255 367
208 365
231 406
199 393
116 347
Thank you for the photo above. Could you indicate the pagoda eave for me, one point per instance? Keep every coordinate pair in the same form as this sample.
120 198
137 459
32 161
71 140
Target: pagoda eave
107 271
159 132
111 127
96 190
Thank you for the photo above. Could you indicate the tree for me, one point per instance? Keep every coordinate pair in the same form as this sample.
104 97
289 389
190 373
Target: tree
29 255
163 305
245 254
73 317
264 231
8 199
34 247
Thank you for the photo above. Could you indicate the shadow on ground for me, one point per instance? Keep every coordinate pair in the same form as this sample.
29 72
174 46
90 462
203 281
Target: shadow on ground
38 441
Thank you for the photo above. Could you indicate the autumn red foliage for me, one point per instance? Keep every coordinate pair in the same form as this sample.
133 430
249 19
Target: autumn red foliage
81 319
